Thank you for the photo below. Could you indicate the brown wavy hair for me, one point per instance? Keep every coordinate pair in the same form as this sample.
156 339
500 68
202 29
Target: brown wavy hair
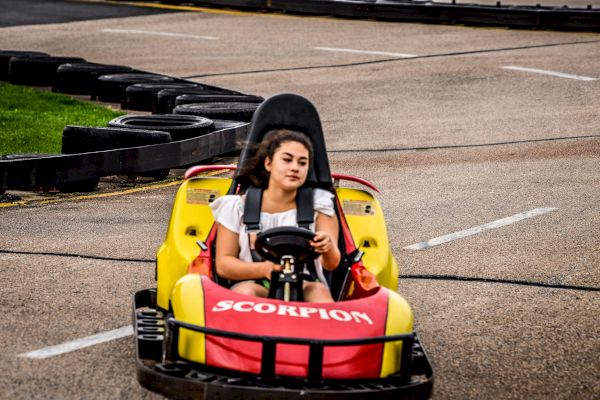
255 171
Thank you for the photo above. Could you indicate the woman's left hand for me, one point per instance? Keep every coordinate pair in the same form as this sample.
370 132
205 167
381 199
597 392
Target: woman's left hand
322 242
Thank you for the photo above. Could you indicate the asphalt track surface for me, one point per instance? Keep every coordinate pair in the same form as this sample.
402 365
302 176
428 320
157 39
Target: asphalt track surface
453 140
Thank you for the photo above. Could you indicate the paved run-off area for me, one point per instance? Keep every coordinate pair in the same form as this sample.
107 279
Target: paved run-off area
453 139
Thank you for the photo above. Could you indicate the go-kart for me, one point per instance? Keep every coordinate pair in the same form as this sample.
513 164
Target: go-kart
195 338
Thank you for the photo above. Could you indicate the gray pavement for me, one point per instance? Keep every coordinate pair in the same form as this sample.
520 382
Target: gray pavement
486 340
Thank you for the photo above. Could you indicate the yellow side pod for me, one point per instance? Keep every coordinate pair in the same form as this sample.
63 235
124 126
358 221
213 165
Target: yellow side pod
188 290
365 220
191 220
399 321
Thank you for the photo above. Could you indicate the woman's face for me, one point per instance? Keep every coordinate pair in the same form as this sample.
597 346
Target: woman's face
289 167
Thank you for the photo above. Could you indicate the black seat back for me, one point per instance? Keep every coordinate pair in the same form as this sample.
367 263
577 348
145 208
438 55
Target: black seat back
294 112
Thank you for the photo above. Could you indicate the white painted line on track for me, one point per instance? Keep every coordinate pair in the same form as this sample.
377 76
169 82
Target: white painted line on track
73 345
481 228
551 73
169 34
379 53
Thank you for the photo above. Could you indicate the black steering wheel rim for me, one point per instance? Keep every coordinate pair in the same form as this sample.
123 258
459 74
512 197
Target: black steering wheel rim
272 244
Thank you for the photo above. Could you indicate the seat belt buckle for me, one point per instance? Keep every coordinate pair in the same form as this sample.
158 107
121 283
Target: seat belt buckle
252 228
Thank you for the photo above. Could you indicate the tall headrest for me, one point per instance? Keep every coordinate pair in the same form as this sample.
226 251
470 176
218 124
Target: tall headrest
294 112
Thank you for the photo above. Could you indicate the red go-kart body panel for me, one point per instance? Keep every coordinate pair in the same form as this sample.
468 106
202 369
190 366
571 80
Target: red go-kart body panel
354 319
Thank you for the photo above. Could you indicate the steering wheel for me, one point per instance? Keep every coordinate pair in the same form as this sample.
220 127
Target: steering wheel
275 243
286 241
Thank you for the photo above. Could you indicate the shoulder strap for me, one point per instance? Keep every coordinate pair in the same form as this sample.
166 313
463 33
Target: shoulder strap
252 208
305 209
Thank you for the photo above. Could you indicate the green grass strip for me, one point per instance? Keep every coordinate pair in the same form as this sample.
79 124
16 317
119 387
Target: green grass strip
32 121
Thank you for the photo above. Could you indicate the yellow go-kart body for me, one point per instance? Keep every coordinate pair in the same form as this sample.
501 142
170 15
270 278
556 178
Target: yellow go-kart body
192 220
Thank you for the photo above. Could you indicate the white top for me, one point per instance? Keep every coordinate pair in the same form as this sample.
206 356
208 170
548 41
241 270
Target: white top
229 211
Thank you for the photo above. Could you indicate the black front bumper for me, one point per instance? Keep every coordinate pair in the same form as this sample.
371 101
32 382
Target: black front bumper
160 370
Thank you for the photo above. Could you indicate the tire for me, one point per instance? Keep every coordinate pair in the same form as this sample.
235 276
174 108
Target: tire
86 185
165 99
111 88
142 96
218 98
82 78
37 71
6 55
235 111
179 126
158 175
83 139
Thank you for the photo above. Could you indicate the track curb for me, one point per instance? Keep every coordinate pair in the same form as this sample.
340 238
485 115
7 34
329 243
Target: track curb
502 15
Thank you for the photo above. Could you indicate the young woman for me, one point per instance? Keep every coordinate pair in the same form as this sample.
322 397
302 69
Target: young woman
280 167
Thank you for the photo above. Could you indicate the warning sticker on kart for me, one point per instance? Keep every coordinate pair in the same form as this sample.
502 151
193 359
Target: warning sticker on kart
201 196
358 207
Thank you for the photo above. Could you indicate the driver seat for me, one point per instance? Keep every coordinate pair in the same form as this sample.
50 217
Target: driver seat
294 112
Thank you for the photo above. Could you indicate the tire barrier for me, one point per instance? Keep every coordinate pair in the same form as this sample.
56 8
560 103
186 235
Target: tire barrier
142 96
147 145
234 111
6 55
216 98
83 139
37 70
166 99
82 78
180 127
65 169
111 88
524 17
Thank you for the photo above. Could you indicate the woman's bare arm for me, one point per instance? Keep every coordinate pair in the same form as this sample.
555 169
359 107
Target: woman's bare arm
326 241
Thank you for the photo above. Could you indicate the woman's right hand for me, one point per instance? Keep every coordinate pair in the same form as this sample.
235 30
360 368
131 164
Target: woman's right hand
268 267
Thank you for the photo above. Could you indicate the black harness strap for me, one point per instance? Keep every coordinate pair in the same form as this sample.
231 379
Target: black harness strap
305 212
305 208
252 209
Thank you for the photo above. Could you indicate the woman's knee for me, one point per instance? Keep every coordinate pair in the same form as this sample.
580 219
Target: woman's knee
250 289
316 292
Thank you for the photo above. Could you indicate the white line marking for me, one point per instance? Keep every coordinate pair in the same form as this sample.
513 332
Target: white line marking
379 53
169 34
481 228
73 345
551 73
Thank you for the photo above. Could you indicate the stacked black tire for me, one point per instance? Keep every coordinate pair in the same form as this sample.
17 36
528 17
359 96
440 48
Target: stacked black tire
37 70
5 57
84 139
82 78
237 111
